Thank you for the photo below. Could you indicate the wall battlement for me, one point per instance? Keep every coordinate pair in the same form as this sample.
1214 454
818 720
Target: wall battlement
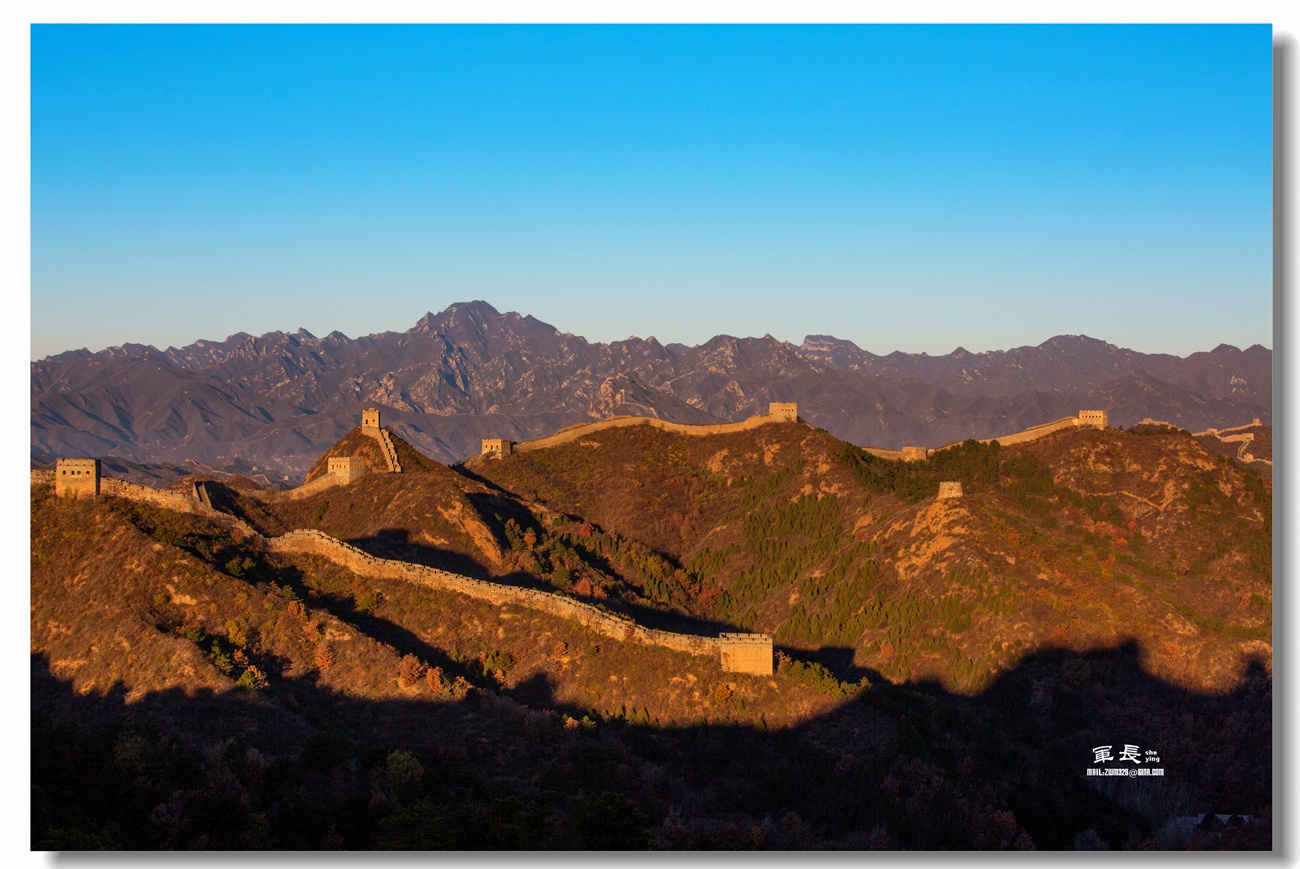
746 653
347 468
573 432
1096 418
370 418
621 628
786 411
77 477
497 446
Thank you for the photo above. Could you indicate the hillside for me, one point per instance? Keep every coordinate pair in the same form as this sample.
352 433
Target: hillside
191 690
1080 540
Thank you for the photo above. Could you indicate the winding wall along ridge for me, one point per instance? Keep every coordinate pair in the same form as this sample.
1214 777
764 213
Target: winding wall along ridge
573 432
386 447
174 501
318 543
1033 433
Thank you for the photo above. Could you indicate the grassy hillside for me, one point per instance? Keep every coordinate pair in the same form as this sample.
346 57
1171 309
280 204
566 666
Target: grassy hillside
1082 539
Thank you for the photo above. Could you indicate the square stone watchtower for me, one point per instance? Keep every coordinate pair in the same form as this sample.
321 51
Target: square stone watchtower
348 468
950 490
1093 417
370 418
499 446
915 454
746 653
77 477
787 411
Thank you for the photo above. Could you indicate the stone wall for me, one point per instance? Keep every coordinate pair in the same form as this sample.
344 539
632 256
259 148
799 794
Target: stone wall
1034 432
573 432
497 446
306 490
949 490
181 502
77 477
915 454
385 446
785 411
1096 418
620 628
746 653
878 452
347 468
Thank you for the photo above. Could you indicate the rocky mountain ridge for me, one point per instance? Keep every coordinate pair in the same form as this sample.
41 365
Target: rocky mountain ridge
272 402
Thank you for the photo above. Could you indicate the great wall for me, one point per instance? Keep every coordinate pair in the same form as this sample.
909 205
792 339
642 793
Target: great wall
738 653
1240 436
777 412
741 653
314 542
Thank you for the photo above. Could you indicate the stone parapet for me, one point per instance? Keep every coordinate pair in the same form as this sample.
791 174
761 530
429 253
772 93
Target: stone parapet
746 653
572 433
181 502
314 542
386 447
77 477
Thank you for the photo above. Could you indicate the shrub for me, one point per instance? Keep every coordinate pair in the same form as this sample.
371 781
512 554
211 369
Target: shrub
221 660
194 633
498 662
411 670
324 657
368 602
237 566
404 773
236 632
252 679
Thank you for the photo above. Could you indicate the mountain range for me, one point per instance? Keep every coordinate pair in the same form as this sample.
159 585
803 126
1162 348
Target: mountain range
267 406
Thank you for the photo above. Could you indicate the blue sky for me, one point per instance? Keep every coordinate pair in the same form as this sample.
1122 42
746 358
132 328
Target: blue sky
907 188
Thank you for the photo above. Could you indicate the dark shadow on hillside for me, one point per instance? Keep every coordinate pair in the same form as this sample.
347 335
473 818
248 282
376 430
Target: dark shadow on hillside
396 543
898 767
837 659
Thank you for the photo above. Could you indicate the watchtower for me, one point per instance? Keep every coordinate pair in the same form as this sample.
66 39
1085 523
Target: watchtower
746 653
787 411
347 468
915 454
499 446
950 490
1093 417
76 477
370 417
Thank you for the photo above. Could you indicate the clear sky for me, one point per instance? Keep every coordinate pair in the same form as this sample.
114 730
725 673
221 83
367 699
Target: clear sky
907 188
